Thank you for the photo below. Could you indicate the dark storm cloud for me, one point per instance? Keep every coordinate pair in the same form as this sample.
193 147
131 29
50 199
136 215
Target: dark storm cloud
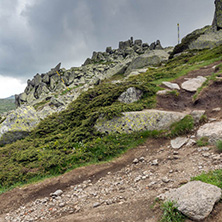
36 37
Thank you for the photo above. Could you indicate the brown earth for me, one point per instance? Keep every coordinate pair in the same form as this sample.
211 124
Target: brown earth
137 205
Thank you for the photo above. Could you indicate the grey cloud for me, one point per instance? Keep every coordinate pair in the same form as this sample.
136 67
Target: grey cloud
49 31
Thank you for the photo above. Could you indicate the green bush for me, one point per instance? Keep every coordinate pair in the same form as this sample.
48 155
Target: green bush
170 213
203 141
219 146
182 127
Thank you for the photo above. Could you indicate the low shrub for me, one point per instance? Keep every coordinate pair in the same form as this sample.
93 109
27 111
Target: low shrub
171 213
219 146
203 141
182 127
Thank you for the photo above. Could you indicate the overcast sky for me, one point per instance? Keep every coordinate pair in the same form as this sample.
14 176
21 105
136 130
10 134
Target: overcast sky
35 35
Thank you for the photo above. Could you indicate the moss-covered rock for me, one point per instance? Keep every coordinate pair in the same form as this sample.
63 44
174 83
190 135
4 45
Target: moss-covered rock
139 121
18 124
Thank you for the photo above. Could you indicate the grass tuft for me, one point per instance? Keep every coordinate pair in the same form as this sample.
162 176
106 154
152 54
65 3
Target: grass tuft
170 213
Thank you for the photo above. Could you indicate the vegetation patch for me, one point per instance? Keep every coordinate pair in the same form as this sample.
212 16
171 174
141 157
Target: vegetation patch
7 105
182 127
68 140
212 177
203 141
219 146
171 213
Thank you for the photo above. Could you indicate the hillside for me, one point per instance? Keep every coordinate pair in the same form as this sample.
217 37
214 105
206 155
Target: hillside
67 140
115 139
7 105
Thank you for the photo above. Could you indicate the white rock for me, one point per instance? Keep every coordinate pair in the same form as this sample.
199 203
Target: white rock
218 109
192 85
163 92
211 130
171 85
191 142
178 142
195 199
57 193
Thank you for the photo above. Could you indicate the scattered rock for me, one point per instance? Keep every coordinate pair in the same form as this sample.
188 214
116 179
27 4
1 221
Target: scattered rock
178 142
197 114
155 162
97 204
213 131
192 85
191 142
171 85
135 161
57 193
163 92
218 109
195 199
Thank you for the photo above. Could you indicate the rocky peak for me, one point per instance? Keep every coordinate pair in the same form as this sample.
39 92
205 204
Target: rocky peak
126 49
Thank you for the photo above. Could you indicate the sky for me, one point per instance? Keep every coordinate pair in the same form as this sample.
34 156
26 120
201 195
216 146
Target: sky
35 35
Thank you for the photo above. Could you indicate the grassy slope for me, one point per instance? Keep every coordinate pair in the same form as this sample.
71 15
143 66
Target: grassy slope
68 140
6 105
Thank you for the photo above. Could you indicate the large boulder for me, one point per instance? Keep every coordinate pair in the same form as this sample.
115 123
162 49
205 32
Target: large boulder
130 95
18 124
151 58
195 199
191 85
139 121
213 131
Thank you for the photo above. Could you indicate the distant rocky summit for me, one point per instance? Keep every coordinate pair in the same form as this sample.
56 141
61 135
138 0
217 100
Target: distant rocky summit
217 22
57 90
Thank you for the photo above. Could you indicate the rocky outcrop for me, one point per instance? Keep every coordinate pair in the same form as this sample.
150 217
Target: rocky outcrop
45 87
207 37
195 199
126 49
217 22
18 124
139 121
213 131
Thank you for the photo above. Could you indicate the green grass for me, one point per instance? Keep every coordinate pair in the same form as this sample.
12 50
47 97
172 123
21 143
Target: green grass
170 213
212 177
182 127
219 146
68 140
7 105
203 141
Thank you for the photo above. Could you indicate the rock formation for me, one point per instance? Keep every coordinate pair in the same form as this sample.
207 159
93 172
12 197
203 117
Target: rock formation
217 22
43 88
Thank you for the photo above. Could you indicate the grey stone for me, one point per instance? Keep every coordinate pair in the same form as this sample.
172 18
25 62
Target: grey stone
191 142
138 42
138 121
163 92
178 142
18 124
130 95
97 204
57 193
195 199
197 114
171 85
192 85
211 130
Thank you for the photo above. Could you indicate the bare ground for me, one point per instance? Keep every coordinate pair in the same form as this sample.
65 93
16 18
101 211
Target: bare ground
137 197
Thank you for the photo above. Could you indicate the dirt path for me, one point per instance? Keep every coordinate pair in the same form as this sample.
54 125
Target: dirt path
124 189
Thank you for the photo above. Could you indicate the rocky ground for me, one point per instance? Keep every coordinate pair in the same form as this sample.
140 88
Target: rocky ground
124 189
123 193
